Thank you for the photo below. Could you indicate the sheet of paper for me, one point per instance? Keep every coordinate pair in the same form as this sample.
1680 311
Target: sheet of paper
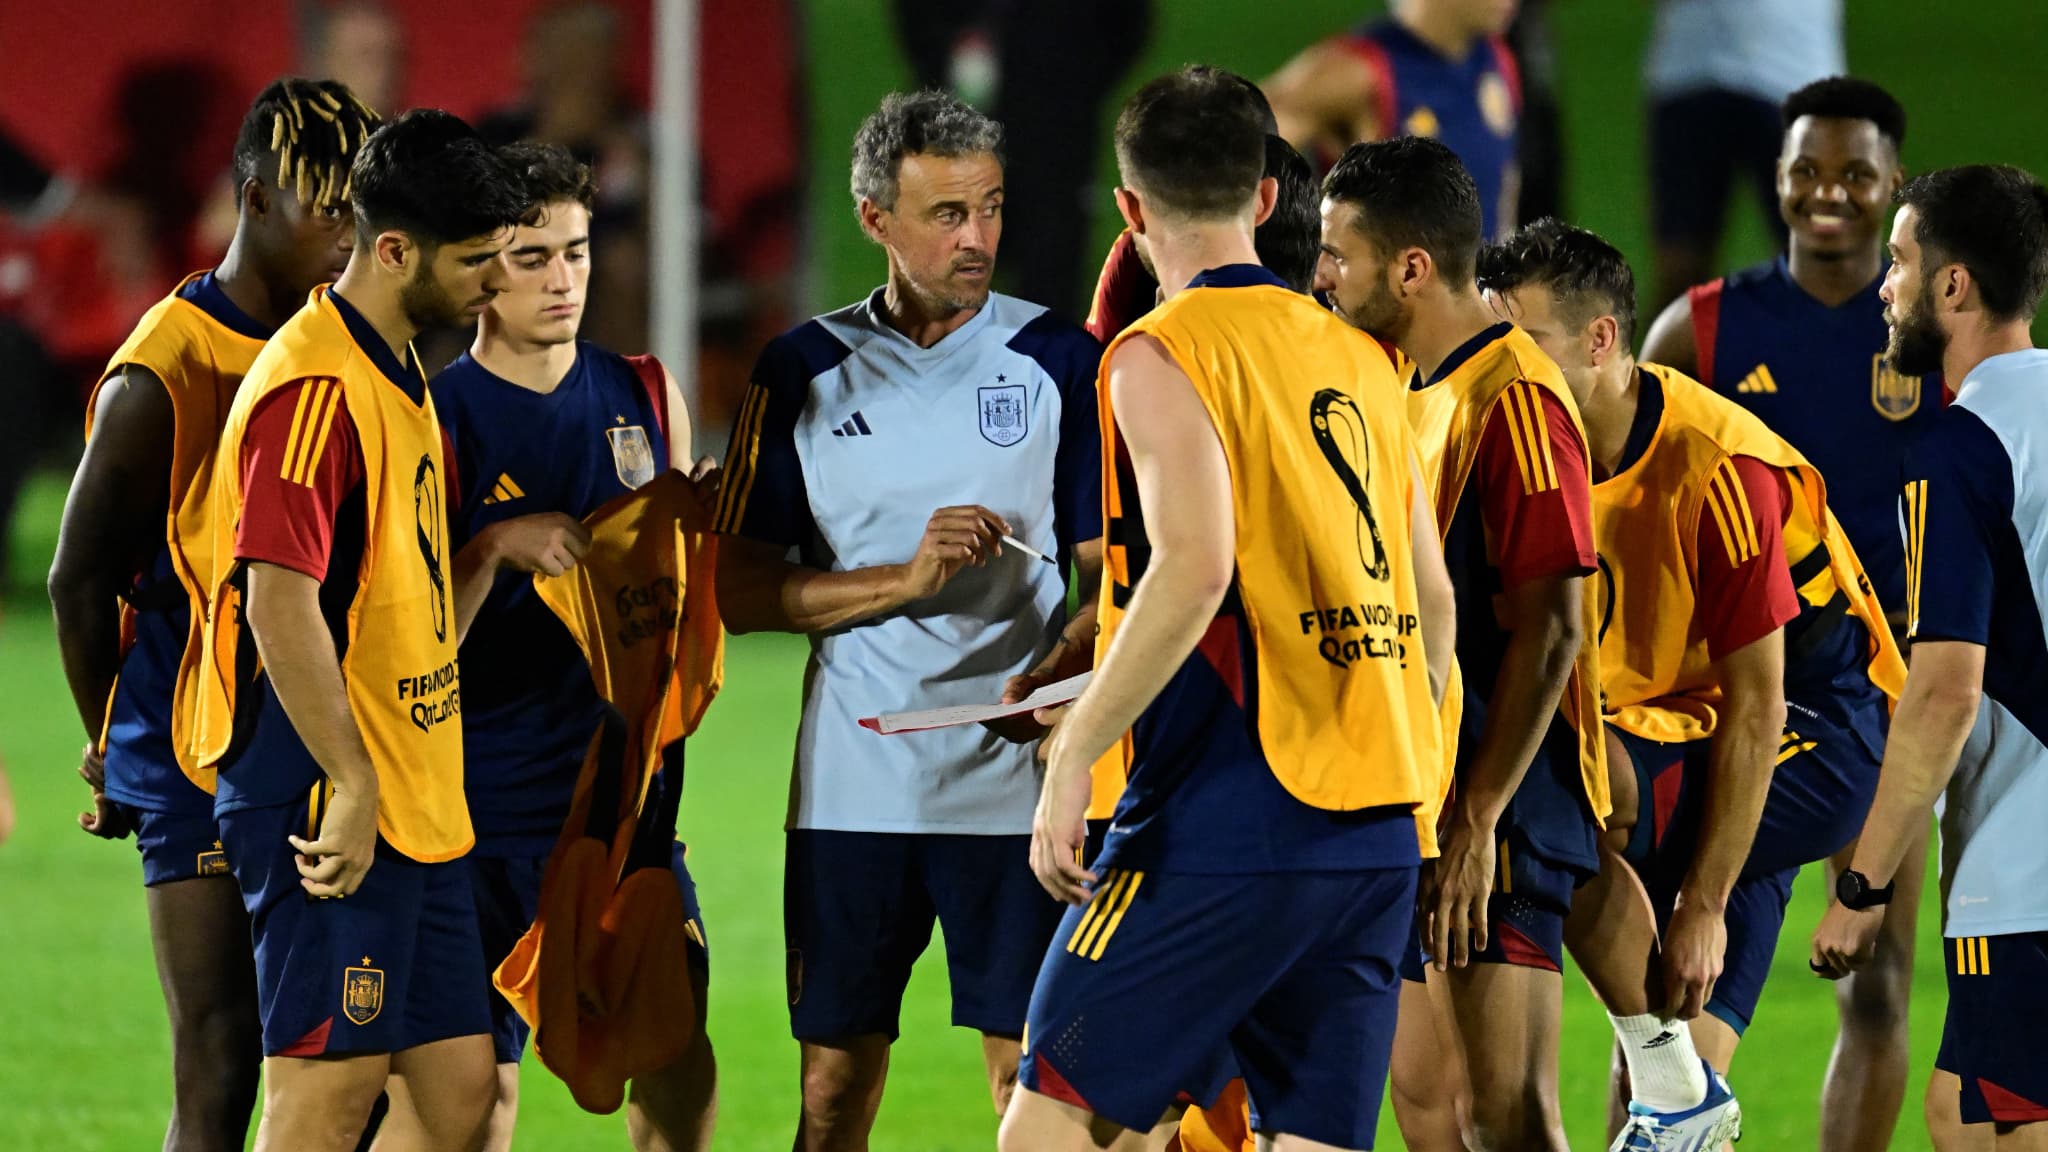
1051 694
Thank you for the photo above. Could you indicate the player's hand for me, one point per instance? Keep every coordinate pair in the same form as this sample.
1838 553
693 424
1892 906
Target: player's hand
548 543
1024 727
1695 946
954 538
1463 886
334 865
705 470
1845 940
105 820
1059 829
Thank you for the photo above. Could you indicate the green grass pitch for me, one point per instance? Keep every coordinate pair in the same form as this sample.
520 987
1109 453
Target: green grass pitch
83 1048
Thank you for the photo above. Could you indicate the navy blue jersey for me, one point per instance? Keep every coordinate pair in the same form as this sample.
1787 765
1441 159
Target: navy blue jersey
528 703
142 770
1817 376
1473 105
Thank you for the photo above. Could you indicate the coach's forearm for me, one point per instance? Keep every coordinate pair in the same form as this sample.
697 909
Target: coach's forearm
1741 763
760 592
283 610
1534 669
1933 720
1170 610
1074 652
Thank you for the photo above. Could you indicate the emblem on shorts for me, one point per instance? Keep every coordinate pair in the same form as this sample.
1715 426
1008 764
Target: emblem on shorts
1497 105
362 993
1003 419
632 455
1894 395
213 862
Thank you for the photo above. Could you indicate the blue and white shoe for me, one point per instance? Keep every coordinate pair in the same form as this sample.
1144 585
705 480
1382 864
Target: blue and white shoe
1705 1128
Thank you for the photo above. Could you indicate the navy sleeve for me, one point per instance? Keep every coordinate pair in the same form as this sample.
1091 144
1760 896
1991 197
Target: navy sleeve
763 496
1956 507
1072 358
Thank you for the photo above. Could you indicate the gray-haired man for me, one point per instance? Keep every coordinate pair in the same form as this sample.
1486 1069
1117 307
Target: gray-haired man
932 393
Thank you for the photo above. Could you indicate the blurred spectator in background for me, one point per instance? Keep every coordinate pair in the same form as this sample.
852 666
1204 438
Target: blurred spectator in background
81 259
1541 154
576 96
1042 68
358 43
1436 68
1717 72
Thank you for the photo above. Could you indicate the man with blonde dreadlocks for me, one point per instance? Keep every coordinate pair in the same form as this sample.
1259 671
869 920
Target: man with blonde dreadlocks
130 578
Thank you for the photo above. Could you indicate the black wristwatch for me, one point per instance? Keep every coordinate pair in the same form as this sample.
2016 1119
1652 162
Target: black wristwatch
1853 889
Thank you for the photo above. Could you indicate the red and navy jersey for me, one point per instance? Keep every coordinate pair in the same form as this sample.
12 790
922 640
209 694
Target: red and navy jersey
1473 105
142 769
528 703
1817 376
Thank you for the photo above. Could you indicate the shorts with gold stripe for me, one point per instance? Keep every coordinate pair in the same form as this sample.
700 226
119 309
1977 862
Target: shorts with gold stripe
1997 997
1823 778
1136 1007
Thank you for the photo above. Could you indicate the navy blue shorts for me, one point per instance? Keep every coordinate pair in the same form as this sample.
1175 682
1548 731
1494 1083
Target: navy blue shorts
1820 793
507 894
1136 1006
176 845
1524 916
1997 996
392 966
1702 145
858 909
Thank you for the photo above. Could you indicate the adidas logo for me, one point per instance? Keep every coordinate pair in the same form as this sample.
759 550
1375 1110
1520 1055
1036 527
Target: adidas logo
503 490
1758 381
856 425
1663 1038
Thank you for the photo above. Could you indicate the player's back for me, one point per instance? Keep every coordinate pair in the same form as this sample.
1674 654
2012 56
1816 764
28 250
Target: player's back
200 345
1817 376
1298 732
1472 104
528 703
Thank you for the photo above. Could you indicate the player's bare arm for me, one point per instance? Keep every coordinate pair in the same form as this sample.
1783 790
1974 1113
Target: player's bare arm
113 524
1546 622
283 610
1740 763
1671 341
1434 593
1184 487
545 543
759 590
1321 99
1934 718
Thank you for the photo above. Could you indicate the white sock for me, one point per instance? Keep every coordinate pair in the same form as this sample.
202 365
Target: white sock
1664 1069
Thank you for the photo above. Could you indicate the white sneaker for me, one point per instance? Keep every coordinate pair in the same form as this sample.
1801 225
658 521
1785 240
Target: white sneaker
1704 1128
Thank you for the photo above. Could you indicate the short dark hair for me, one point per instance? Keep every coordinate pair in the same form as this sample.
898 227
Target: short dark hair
312 130
1993 220
1412 192
1290 241
1194 141
428 174
927 123
1848 98
550 173
1583 273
